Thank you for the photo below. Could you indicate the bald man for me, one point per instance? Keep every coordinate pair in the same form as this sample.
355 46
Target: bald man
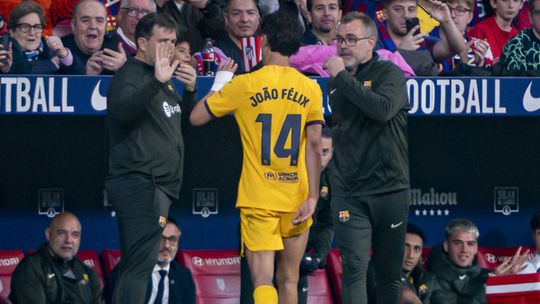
53 274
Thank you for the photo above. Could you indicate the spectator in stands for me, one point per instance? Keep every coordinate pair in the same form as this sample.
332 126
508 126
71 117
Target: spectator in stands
53 274
241 20
7 5
278 190
460 279
533 265
94 52
370 168
131 11
477 52
421 52
199 19
498 29
31 53
146 149
521 55
324 16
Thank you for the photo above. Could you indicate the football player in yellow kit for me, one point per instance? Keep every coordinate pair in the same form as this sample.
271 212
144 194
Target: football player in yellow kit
279 113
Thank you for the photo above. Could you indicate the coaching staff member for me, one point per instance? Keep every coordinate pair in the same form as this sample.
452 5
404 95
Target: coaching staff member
146 149
370 171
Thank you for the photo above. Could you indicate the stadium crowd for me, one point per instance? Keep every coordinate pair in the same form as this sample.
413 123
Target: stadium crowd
424 38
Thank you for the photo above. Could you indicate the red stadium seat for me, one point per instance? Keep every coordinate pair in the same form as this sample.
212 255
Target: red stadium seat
110 257
91 259
491 257
216 274
9 259
335 273
319 288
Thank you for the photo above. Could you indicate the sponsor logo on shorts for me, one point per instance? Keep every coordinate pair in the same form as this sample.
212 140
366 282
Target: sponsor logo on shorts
344 216
284 177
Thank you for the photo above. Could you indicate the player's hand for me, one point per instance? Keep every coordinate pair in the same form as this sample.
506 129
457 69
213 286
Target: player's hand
335 64
412 41
514 264
305 211
186 74
6 58
113 60
163 68
93 65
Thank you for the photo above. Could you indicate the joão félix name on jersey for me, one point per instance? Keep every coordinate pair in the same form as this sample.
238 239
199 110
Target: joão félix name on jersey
273 94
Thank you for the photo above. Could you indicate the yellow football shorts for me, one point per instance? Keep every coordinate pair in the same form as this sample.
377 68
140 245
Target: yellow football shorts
263 229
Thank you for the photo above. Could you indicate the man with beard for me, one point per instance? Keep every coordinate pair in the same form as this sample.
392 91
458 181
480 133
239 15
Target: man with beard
324 15
170 282
370 168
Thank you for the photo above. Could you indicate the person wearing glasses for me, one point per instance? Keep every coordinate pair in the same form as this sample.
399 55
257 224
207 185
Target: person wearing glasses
28 52
369 172
131 12
422 52
94 52
169 282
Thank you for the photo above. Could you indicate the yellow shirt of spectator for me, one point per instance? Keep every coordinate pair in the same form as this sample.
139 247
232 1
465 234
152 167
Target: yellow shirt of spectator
272 106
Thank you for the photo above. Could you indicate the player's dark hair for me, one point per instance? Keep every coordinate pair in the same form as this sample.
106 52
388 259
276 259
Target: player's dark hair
535 221
146 25
283 30
413 229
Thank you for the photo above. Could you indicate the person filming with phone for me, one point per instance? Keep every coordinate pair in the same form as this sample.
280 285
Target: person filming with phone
27 51
400 32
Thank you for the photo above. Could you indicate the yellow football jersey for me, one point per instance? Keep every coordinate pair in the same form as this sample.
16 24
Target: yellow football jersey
272 106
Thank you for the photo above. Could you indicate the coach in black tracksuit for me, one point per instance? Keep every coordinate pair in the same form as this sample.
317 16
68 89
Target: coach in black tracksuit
370 169
146 150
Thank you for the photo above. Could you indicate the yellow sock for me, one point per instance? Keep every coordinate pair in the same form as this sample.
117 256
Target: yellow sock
265 294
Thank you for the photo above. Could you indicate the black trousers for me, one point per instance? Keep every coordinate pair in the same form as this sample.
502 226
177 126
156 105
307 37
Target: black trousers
141 208
376 222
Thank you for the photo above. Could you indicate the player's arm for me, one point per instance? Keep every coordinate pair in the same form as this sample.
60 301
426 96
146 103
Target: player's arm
201 114
313 166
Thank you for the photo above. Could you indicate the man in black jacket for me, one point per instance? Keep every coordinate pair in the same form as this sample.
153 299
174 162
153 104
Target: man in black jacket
460 279
53 274
146 149
181 288
370 168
